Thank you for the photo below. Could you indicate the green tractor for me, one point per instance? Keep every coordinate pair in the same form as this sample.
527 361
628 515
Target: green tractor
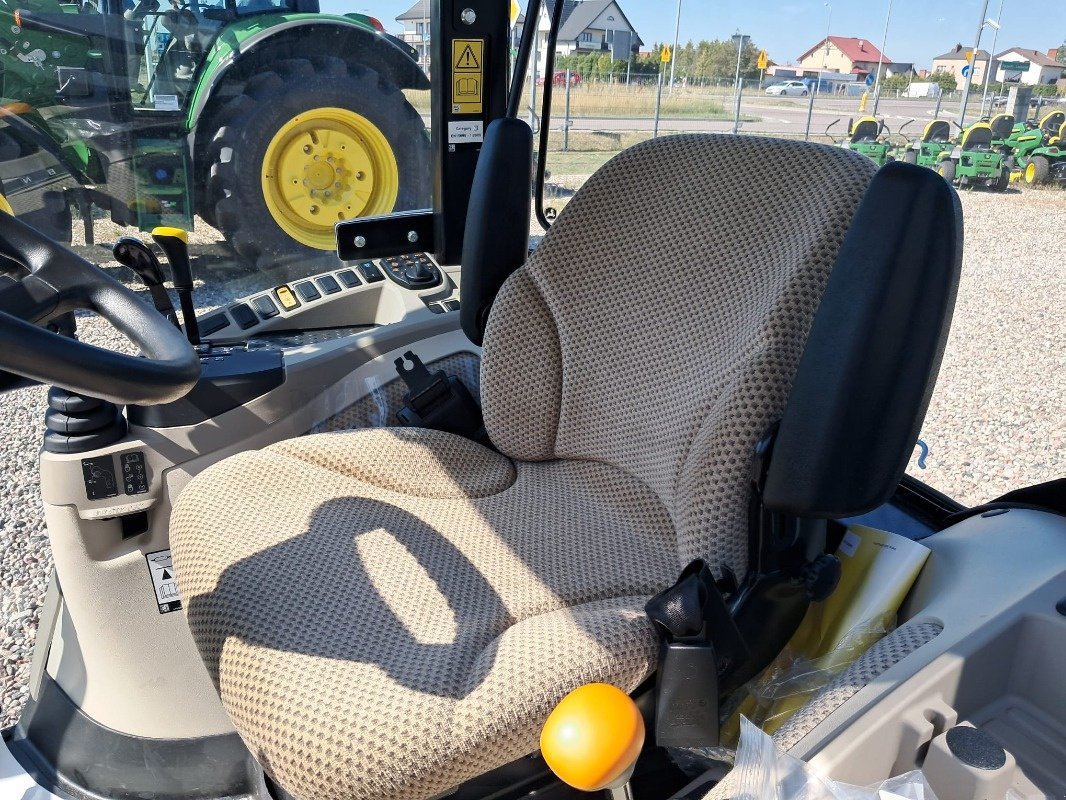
975 161
933 145
864 136
1029 136
216 109
1048 162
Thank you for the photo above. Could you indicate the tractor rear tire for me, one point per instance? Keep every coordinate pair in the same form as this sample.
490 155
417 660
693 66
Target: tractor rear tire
910 157
946 169
388 160
1037 171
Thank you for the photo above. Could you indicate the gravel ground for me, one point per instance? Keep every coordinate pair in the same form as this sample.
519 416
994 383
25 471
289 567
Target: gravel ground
995 422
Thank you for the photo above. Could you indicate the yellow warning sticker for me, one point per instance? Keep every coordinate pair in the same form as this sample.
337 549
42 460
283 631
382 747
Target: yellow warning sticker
468 75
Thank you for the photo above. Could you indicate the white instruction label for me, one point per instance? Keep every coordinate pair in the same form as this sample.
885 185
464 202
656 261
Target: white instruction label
466 132
167 102
850 543
163 581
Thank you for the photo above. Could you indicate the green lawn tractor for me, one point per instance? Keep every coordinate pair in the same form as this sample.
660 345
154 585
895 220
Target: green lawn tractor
974 161
156 114
1047 163
1029 136
864 136
933 145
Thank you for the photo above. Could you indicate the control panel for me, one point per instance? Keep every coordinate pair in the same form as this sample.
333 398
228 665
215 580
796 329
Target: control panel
103 481
414 272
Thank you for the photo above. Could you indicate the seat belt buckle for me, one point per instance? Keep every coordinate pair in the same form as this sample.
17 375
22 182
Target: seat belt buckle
436 400
700 648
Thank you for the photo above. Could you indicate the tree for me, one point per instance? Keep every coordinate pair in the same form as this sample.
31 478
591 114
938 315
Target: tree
946 80
1060 54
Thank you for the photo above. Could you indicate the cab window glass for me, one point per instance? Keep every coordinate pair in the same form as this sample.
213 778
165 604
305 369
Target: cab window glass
232 119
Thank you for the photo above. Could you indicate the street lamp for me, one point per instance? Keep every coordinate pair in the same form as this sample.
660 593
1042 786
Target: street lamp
740 40
828 25
991 53
881 58
970 64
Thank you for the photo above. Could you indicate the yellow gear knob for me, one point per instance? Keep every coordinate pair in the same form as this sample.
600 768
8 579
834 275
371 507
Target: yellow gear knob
593 737
177 233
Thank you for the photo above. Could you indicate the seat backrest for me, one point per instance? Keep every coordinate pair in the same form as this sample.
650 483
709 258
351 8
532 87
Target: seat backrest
977 137
659 324
1051 123
937 131
866 129
1001 125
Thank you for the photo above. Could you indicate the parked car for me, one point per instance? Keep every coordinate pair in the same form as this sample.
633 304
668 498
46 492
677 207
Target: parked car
560 78
788 89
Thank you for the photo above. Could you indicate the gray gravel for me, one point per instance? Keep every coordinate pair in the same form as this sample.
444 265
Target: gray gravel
995 422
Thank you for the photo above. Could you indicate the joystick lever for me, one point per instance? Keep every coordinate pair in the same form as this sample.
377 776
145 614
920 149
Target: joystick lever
138 256
175 243
592 739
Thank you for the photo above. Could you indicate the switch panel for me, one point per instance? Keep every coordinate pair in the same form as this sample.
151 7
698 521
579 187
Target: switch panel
412 271
134 476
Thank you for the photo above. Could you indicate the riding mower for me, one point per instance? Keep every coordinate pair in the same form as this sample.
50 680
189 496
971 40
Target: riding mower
864 136
1029 136
298 555
975 161
933 145
1047 163
157 114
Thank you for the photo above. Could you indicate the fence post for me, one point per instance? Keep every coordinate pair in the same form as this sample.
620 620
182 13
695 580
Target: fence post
566 115
810 113
939 100
658 103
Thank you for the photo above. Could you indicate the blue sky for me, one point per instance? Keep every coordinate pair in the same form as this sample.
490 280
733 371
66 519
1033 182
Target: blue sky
919 29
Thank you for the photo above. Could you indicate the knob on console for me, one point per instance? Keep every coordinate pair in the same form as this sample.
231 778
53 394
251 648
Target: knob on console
593 737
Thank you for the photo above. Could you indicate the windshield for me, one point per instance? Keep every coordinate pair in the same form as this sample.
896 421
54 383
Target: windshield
994 423
255 125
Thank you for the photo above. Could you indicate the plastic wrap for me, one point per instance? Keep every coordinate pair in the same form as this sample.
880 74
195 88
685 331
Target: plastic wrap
762 771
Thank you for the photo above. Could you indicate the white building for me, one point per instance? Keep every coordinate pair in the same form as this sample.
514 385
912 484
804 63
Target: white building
587 26
415 22
1029 67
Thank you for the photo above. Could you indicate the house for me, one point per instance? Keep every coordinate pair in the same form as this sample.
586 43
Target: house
1029 67
586 26
415 21
955 60
846 55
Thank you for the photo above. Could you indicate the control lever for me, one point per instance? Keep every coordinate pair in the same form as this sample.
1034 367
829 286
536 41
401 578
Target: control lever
592 739
138 256
175 243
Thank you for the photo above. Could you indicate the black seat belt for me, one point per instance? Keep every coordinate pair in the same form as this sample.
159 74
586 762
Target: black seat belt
438 401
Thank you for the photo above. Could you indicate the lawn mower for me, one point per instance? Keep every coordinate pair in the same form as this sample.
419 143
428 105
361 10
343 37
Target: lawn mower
160 113
864 136
1030 135
933 145
1047 163
974 161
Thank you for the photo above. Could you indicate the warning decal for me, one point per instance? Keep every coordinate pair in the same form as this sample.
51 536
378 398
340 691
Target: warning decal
166 587
468 75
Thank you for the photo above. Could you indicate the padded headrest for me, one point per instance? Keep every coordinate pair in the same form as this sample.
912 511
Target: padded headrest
1002 125
865 128
978 135
870 363
937 131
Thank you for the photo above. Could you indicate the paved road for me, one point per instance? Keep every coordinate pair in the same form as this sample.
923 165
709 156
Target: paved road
776 117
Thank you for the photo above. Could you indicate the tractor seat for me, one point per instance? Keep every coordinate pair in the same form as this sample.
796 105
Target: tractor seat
388 613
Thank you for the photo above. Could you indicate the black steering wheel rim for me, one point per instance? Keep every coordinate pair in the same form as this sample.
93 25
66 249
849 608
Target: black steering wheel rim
53 280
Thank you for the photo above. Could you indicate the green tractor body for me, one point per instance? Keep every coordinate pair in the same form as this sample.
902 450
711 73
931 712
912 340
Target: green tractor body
935 143
144 111
975 161
1029 136
1047 164
864 136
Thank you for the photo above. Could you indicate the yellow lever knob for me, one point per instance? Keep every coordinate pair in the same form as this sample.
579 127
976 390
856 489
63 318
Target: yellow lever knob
593 737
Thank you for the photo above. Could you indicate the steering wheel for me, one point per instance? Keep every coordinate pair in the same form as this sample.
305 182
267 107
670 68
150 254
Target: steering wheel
41 280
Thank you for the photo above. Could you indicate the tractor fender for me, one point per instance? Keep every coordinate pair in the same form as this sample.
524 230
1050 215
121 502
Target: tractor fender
244 43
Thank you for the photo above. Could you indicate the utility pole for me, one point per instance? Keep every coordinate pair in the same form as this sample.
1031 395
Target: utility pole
991 54
881 58
740 39
973 60
673 53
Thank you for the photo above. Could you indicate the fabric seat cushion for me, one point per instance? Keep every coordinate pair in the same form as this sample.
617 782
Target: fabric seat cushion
401 607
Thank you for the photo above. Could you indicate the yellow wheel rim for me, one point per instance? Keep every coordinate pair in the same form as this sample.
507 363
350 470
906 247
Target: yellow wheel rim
1030 172
327 165
6 206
